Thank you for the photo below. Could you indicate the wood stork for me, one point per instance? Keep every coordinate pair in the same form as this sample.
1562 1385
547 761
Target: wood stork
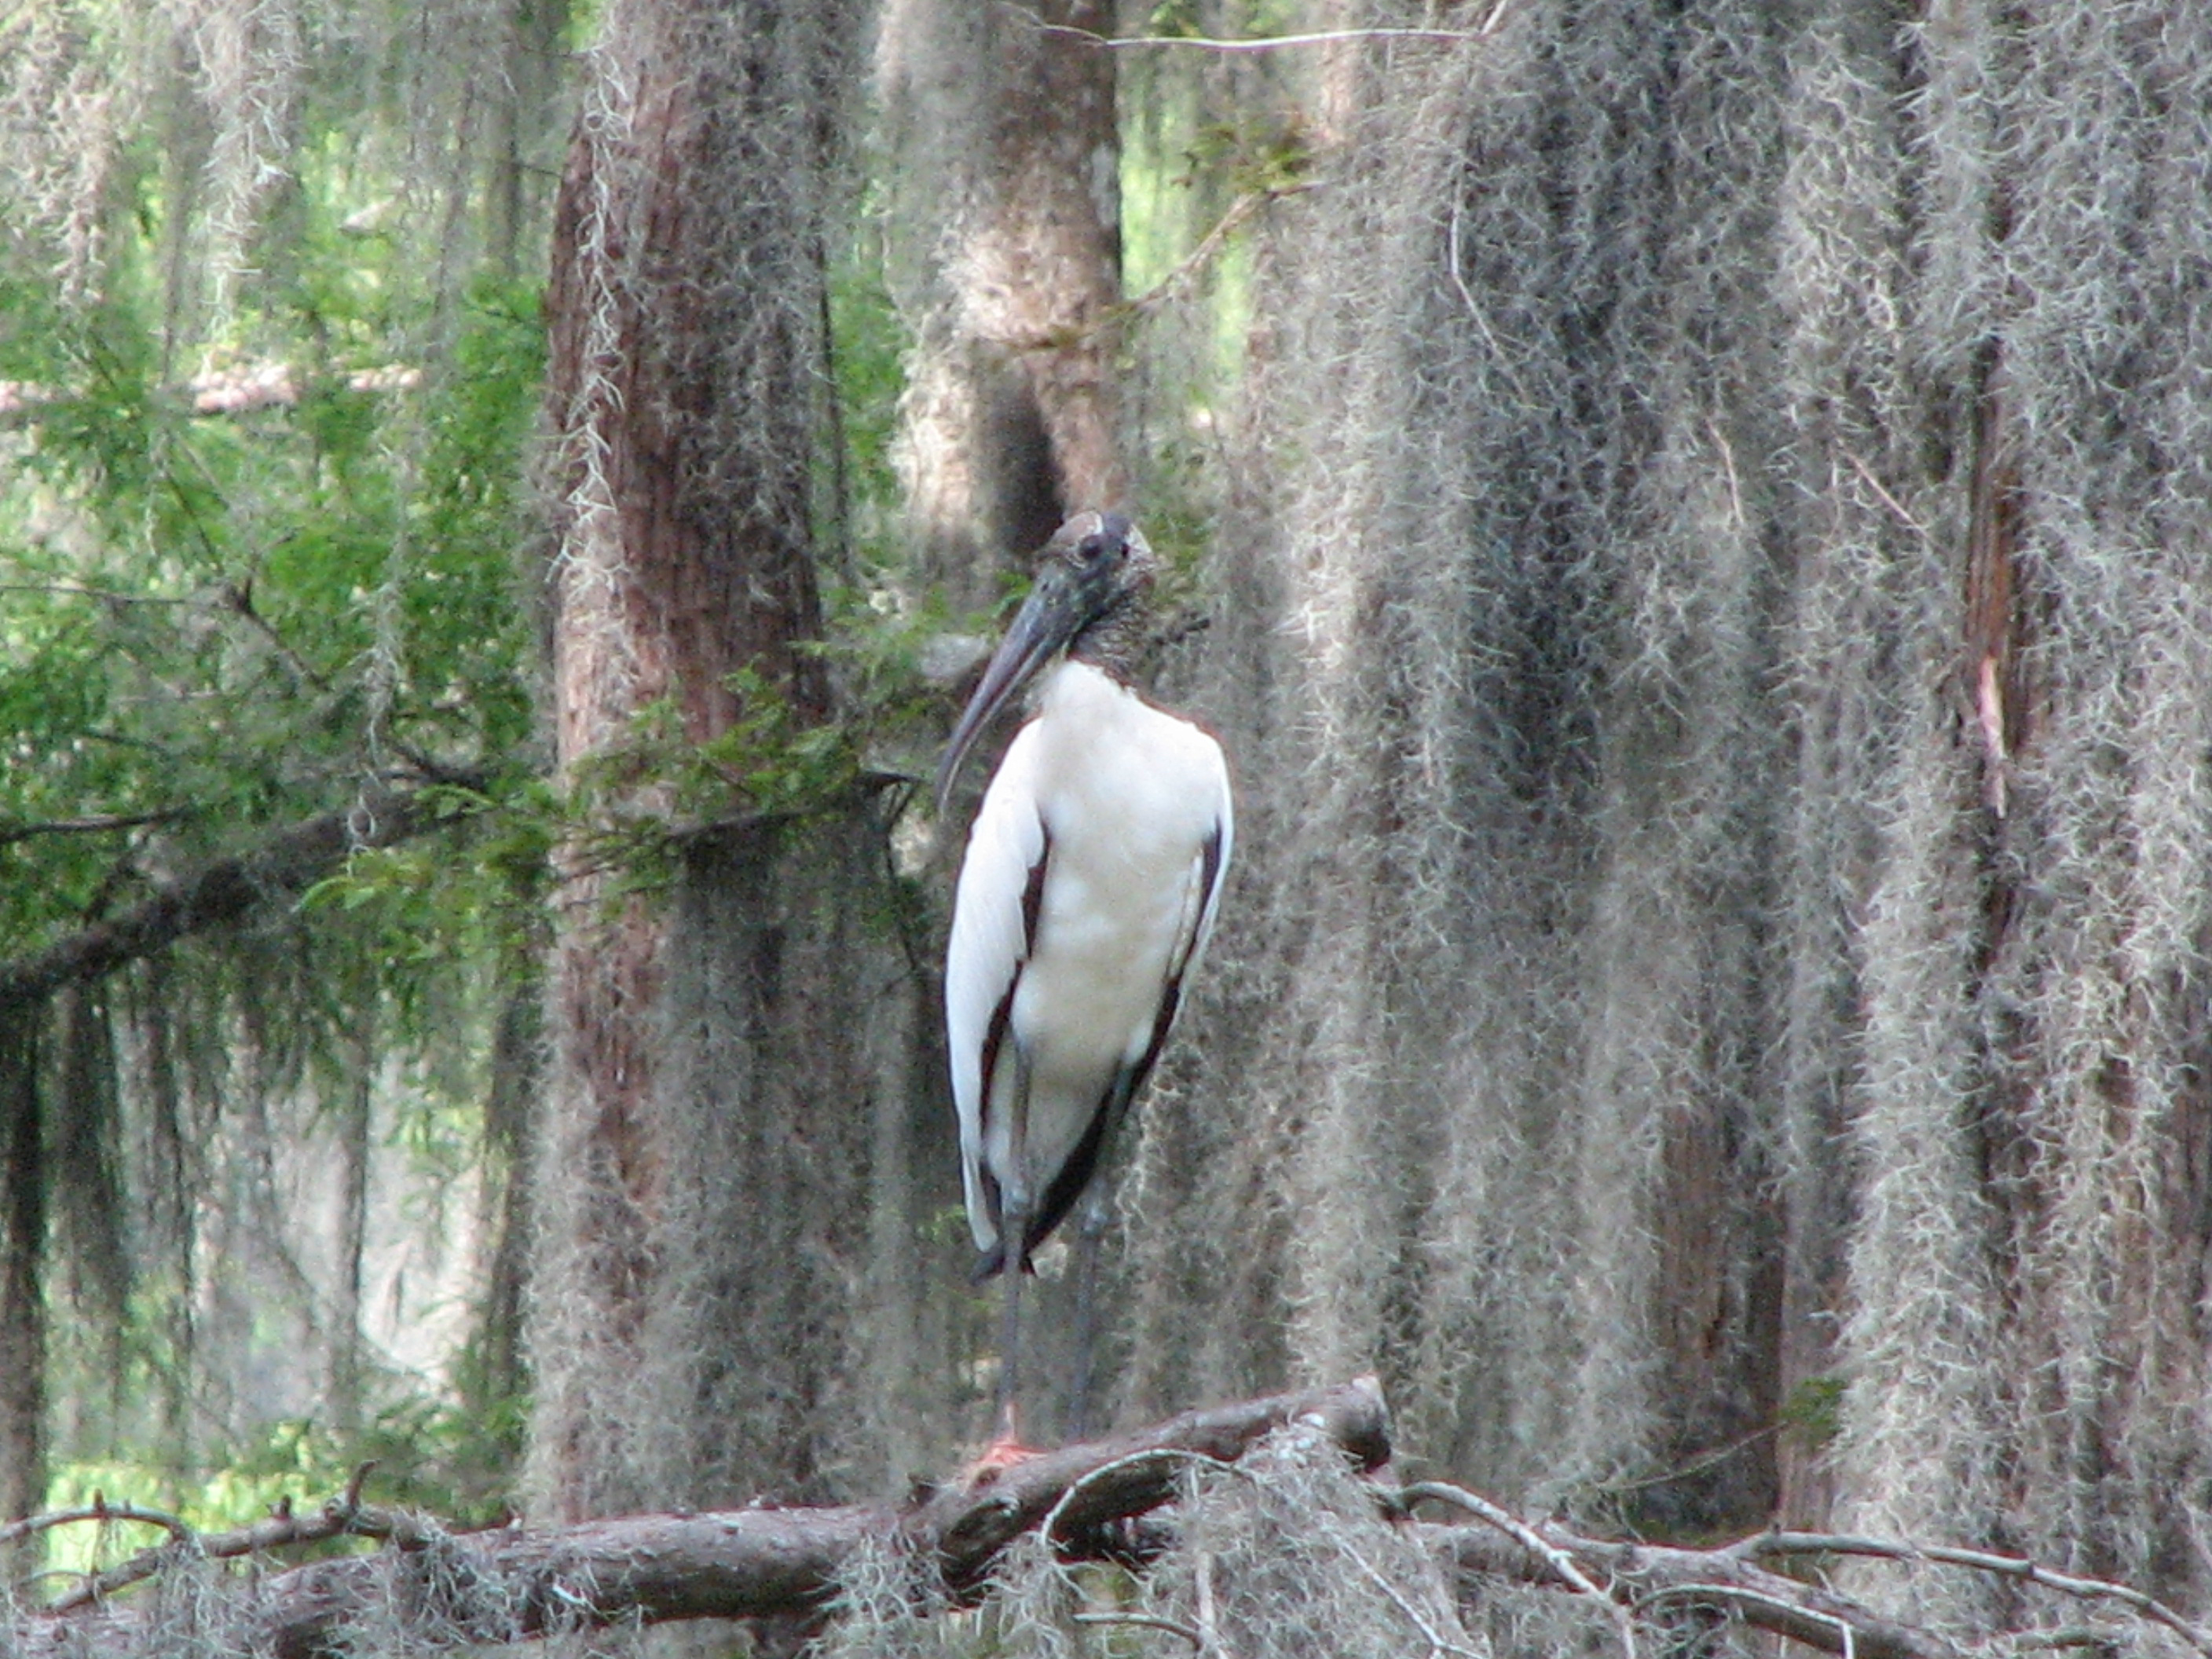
1089 888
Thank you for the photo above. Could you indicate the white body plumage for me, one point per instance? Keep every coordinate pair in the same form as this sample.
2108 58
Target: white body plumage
1089 886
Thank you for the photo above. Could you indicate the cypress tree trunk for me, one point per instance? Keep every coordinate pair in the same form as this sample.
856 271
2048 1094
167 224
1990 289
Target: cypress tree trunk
703 1185
1007 258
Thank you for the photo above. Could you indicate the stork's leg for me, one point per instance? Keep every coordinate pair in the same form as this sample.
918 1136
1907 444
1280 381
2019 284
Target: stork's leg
1013 1225
1017 1205
1090 1231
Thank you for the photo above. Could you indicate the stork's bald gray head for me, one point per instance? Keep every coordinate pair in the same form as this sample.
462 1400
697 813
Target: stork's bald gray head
1093 578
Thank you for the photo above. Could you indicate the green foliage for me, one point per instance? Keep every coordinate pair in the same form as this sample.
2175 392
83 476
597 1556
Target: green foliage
1814 1409
426 904
429 1455
1263 154
870 345
226 618
263 488
1257 20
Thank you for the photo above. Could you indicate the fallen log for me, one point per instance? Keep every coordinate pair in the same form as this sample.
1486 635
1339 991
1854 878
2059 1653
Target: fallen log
428 1587
518 1582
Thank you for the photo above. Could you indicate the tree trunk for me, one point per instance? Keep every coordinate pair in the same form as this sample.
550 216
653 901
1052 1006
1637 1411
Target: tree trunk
355 1122
1007 222
22 1310
497 1374
533 49
702 1181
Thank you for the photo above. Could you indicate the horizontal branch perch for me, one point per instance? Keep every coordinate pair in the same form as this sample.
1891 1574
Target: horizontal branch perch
514 1584
101 1510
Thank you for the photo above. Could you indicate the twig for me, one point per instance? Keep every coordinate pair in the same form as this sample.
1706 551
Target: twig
1437 1640
1148 1620
1048 1529
1528 1538
1804 1613
1112 316
1315 38
1209 1614
1466 293
1235 215
344 1516
2009 1566
2070 1636
1504 364
105 595
1889 501
1735 504
237 598
1697 1465
98 824
99 1510
351 1502
1318 38
1737 1593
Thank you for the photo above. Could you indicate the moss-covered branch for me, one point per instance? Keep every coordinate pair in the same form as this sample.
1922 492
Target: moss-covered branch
282 865
515 1583
428 1589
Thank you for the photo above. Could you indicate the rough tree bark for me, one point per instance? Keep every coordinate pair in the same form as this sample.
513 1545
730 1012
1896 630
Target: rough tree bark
1007 256
718 1046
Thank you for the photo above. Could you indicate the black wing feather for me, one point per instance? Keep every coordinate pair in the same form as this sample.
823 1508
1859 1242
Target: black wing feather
993 1260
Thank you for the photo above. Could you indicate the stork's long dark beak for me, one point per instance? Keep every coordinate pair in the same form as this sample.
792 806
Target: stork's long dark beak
1055 611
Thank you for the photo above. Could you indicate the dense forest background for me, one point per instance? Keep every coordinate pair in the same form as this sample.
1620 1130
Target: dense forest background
1691 522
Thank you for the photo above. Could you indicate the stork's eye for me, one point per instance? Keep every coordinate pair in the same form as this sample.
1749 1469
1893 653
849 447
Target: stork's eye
1091 550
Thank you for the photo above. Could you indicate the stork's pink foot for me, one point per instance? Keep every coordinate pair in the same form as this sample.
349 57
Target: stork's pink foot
1001 1455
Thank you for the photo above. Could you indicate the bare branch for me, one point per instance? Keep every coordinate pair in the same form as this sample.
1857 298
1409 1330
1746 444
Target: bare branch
2008 1566
1145 1621
99 1510
1558 1559
98 823
237 598
77 590
1642 1575
1207 246
1269 43
342 1516
1904 516
1743 1599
